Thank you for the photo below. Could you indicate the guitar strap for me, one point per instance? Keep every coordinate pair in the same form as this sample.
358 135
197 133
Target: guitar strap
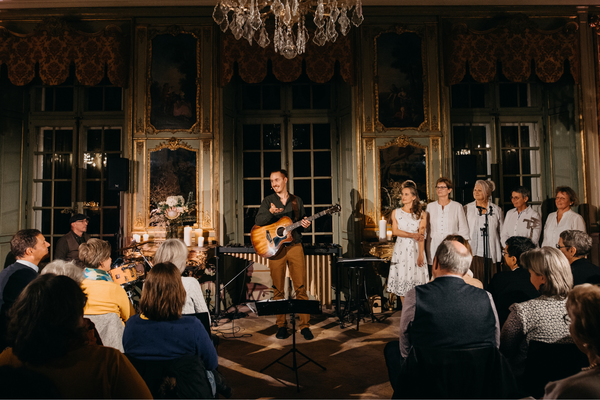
295 208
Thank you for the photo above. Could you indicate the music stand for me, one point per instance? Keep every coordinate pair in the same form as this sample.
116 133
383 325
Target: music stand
290 306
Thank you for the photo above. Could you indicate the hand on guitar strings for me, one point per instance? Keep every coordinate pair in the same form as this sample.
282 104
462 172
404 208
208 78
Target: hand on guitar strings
275 210
305 223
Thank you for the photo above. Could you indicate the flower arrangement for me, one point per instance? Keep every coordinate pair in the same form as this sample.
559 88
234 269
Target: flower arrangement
174 211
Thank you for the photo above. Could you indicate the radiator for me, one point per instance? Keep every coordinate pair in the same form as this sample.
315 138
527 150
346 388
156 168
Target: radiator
318 275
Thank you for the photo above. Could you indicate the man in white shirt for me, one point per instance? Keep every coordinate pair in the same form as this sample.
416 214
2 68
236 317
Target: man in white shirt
521 220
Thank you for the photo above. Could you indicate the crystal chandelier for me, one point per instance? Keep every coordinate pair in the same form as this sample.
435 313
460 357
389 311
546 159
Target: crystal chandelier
290 34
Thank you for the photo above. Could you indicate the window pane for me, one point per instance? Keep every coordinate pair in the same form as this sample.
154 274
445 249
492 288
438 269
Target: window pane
526 161
510 183
508 94
64 99
61 222
94 140
322 161
528 137
524 95
482 162
510 136
271 97
323 238
272 137
46 166
63 166
249 217
112 140
110 219
46 220
113 100
267 189
535 185
478 95
300 97
64 140
510 162
95 98
48 135
460 136
250 97
322 191
321 97
251 137
93 191
324 223
302 164
303 190
272 163
93 165
252 195
479 137
301 139
62 194
47 194
94 224
460 96
251 165
321 136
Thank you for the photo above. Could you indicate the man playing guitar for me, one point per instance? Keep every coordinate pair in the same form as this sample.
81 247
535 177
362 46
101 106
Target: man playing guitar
273 207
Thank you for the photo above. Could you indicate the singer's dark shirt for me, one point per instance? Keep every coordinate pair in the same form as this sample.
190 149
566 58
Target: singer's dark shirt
264 216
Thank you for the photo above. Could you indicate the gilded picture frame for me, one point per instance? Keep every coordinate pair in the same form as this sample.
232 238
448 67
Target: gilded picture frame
173 81
399 160
401 86
173 169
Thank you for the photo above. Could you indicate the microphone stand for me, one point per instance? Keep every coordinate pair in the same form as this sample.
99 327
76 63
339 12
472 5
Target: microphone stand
486 244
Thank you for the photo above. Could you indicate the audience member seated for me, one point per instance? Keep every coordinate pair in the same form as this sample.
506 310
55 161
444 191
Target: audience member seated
447 313
160 333
514 286
46 334
66 268
539 319
104 295
29 248
576 246
583 308
468 277
176 252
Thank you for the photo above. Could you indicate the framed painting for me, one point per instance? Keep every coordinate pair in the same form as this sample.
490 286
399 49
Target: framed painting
173 93
173 174
401 88
400 160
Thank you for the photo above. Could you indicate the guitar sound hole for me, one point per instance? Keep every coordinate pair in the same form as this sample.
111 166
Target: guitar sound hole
281 231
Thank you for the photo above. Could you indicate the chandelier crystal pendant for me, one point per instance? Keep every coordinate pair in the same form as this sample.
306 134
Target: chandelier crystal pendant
245 17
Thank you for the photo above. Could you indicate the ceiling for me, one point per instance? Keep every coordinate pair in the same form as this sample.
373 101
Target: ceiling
24 4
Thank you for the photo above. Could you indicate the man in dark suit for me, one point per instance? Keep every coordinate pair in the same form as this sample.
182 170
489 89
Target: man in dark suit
29 247
514 286
437 314
576 245
67 247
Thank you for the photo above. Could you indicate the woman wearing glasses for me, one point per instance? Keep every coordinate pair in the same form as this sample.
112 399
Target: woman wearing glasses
445 217
541 318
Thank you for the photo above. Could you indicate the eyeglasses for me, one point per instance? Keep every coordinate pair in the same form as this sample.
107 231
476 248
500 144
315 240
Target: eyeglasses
567 319
441 187
504 253
558 246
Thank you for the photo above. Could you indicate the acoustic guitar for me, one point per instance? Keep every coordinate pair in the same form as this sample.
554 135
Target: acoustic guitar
268 239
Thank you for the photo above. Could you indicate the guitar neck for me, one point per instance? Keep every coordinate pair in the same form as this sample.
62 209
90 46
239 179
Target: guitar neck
311 218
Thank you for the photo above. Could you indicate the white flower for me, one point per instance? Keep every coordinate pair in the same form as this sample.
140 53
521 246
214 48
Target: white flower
173 201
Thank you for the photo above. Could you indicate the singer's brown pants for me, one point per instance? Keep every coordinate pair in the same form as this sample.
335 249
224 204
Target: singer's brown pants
294 256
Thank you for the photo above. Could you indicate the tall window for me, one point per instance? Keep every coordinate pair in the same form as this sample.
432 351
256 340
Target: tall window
288 126
77 130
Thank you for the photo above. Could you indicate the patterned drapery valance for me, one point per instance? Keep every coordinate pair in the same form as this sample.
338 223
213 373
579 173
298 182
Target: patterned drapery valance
55 45
252 61
515 44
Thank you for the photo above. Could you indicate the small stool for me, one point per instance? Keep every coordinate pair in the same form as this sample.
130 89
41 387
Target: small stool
355 268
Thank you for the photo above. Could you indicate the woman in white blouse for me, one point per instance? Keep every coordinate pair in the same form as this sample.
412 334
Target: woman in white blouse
563 219
446 217
476 212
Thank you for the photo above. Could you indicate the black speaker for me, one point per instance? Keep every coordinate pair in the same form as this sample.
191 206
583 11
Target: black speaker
465 167
117 171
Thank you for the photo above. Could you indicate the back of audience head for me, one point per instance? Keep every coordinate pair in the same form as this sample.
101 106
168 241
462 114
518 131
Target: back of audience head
46 320
173 251
163 295
94 252
583 306
453 257
551 270
27 239
580 241
461 240
66 268
517 245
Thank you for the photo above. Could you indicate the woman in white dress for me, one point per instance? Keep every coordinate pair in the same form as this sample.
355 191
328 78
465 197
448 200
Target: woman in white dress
444 217
476 212
563 219
408 268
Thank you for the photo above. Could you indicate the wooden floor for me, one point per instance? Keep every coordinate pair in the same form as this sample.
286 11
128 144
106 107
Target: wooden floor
354 362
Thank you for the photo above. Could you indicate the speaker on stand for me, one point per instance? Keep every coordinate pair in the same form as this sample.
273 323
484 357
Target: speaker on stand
465 167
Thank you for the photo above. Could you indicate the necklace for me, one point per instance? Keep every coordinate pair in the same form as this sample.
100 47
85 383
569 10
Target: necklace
592 366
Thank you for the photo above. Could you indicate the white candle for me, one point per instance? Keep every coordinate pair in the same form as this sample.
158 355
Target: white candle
382 230
146 237
389 236
201 241
187 235
198 236
136 237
